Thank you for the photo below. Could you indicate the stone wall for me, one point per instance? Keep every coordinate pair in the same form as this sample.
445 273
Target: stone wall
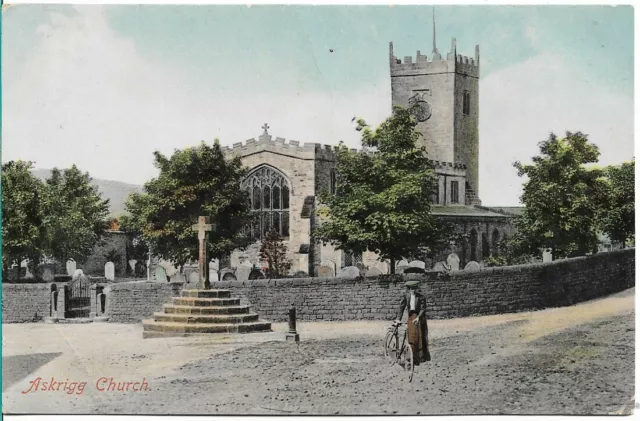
131 302
458 294
25 302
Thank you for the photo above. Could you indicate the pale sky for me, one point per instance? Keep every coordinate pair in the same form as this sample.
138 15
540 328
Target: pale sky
102 87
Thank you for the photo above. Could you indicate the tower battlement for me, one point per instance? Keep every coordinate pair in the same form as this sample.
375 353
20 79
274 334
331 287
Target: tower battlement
452 63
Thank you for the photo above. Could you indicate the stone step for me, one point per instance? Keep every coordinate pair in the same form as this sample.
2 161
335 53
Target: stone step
174 309
208 318
152 328
205 302
206 293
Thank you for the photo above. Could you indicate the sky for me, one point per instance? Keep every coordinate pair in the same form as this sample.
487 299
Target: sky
103 87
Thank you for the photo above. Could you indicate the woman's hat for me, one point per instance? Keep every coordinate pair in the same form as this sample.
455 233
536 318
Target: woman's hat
412 284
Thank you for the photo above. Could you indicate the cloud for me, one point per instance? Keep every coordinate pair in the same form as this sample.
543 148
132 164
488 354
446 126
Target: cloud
519 107
87 96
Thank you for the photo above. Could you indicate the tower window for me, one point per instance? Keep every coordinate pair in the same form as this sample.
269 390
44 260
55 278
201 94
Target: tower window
270 200
333 182
454 192
466 103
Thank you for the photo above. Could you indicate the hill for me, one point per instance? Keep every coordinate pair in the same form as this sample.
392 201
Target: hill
116 191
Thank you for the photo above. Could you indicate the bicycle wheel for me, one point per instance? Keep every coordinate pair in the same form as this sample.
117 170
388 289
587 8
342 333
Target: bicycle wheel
390 348
408 361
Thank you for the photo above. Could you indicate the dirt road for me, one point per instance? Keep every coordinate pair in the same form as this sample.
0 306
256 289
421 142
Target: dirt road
573 360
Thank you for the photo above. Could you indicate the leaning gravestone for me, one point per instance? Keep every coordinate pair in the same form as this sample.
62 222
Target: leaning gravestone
417 264
472 266
161 274
453 261
109 271
71 267
327 269
440 267
350 272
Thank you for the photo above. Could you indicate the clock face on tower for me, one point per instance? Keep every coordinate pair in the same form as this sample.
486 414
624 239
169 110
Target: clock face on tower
421 110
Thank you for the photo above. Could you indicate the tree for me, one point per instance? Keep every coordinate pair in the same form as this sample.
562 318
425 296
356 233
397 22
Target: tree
383 194
197 181
23 230
76 215
274 251
617 215
561 197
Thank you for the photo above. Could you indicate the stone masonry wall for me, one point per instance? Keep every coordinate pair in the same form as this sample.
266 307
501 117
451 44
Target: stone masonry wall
459 294
131 302
25 302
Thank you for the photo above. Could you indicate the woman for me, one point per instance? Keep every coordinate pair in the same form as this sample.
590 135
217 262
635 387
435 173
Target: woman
417 330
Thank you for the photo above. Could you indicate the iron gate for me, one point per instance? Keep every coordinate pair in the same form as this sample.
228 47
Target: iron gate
78 298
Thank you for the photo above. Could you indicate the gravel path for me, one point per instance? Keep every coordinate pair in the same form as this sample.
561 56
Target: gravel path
574 360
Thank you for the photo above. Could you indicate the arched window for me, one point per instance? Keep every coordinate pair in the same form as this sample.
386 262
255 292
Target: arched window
270 199
495 242
473 242
486 250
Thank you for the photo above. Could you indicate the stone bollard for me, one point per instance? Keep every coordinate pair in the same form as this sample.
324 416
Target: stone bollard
292 335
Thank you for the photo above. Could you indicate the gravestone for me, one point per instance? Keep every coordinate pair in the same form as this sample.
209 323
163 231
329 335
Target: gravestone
192 281
27 274
350 272
327 269
401 266
440 267
71 267
417 264
161 274
229 277
76 274
109 271
472 266
256 274
178 277
547 256
243 271
373 271
453 261
47 274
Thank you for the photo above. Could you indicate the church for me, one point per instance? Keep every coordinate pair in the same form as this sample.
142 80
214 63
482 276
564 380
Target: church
286 176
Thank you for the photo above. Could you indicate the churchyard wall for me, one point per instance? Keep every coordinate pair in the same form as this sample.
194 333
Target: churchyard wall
25 302
131 302
457 294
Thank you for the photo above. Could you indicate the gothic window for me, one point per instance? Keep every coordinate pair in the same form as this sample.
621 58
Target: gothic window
454 192
269 192
466 103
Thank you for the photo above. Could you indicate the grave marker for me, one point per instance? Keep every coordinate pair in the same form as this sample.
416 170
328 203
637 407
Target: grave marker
203 227
109 271
453 261
71 267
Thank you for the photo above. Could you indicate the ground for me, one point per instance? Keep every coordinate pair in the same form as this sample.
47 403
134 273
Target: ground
572 360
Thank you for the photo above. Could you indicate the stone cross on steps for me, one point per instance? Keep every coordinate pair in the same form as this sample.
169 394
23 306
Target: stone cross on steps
203 227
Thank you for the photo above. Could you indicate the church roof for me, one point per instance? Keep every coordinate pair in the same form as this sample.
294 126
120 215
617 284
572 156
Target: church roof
470 211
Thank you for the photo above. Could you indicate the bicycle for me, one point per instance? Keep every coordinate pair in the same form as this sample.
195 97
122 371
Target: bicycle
394 353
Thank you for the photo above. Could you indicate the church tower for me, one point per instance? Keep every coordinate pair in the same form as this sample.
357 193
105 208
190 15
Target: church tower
447 94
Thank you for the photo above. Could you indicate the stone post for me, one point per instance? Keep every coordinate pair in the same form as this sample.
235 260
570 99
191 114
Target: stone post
292 335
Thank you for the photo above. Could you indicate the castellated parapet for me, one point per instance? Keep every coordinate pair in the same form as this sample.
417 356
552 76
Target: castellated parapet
452 63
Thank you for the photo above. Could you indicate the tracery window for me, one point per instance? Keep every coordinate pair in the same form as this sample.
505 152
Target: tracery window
269 191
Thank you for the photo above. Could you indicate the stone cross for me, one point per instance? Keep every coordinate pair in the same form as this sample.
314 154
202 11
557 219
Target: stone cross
203 227
265 128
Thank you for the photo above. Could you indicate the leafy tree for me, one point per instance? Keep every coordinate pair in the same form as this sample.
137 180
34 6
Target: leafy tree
383 200
561 197
274 251
617 215
76 215
23 230
197 181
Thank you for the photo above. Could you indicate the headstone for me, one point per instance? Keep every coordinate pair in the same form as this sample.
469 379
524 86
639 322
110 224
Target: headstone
453 261
243 271
178 277
76 274
256 274
161 274
547 256
401 266
417 264
214 276
47 274
71 267
229 277
440 267
25 265
373 271
214 265
192 281
472 266
109 271
327 269
350 272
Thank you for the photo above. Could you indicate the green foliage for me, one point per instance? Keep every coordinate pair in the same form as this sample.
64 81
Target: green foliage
274 251
194 182
561 197
617 215
383 198
23 198
76 215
